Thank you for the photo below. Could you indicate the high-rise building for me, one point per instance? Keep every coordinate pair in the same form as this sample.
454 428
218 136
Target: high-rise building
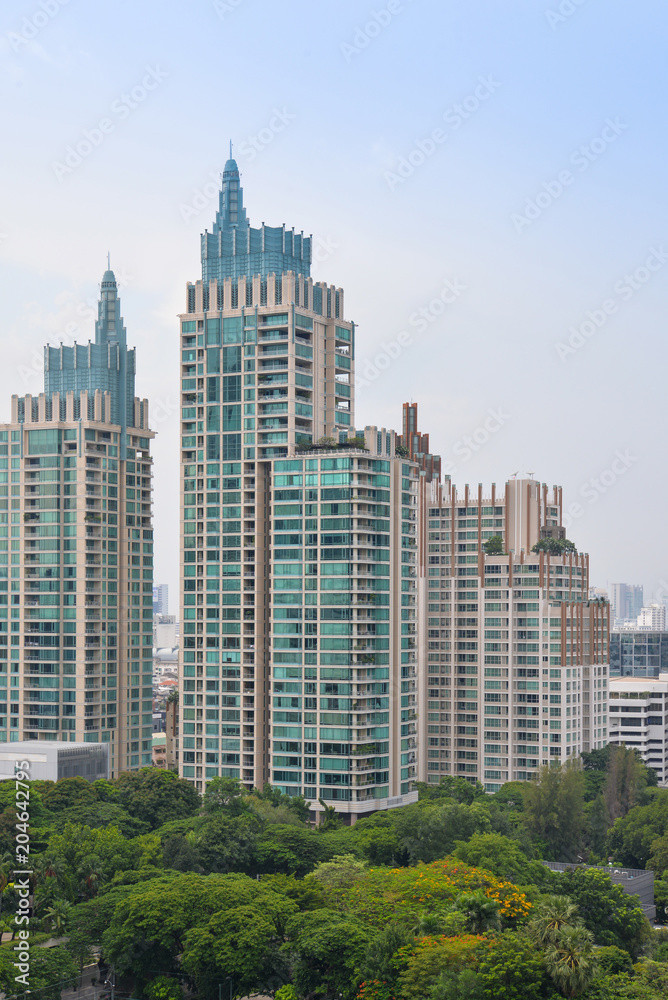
516 654
161 599
626 600
298 588
78 590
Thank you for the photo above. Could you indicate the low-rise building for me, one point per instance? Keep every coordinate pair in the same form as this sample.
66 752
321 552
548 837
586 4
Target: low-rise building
55 759
638 717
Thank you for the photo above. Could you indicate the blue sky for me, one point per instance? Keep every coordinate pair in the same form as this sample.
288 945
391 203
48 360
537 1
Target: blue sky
514 152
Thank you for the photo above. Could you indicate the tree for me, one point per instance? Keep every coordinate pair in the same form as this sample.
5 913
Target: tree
626 780
494 546
325 949
481 912
57 916
498 854
378 961
243 943
164 988
151 923
614 917
341 870
424 962
632 837
156 796
225 793
431 833
508 968
451 788
554 546
612 961
329 818
570 961
554 809
69 792
554 913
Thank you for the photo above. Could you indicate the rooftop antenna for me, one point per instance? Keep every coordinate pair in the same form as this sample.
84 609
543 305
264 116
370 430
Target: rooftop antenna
108 261
230 149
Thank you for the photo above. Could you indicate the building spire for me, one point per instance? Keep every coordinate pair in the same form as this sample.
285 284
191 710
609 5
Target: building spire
230 149
108 261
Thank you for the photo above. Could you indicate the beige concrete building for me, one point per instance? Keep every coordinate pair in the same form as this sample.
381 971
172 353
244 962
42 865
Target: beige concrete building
513 654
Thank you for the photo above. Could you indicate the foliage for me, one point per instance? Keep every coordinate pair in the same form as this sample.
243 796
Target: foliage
51 970
494 546
325 948
340 871
570 961
554 809
632 837
164 988
608 912
554 546
427 958
155 796
451 788
403 893
497 854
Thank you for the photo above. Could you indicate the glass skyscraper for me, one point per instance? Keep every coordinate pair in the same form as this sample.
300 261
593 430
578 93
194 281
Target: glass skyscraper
299 544
76 551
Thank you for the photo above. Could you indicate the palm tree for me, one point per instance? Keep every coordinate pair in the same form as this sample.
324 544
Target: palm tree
556 912
57 915
481 912
428 925
570 961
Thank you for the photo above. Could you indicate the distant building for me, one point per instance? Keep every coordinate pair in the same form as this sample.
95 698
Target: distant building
626 600
638 717
165 632
55 759
159 750
638 653
161 599
653 617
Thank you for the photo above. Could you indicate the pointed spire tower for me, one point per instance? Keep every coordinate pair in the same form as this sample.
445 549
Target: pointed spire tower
106 364
234 249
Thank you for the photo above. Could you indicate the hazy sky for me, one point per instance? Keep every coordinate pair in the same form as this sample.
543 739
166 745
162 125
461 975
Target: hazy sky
497 164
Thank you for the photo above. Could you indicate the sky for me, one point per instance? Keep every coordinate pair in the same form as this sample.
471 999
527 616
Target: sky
484 179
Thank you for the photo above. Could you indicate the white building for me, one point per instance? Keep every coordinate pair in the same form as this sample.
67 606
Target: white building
653 617
51 760
638 717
